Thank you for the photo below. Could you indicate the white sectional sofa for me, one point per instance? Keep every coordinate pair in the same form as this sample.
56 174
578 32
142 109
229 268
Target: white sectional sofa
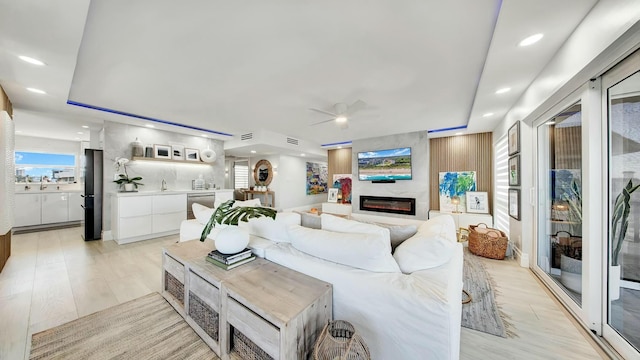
405 304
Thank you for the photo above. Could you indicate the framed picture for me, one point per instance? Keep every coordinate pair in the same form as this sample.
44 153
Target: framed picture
514 138
477 202
177 152
514 203
463 234
191 154
514 170
333 195
162 151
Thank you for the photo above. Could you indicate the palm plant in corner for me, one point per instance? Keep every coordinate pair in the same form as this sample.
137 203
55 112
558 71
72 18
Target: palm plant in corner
619 226
231 239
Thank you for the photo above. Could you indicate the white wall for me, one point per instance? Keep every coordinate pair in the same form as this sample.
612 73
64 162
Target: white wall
607 34
290 183
417 187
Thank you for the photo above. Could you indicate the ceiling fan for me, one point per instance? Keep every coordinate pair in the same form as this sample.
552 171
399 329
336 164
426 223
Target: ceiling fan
341 113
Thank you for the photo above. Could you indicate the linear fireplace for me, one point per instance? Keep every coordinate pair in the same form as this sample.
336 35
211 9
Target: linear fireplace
395 205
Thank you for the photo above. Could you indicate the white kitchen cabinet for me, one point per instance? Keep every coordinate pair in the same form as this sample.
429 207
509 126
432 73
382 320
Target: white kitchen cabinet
55 207
27 210
168 212
141 217
76 212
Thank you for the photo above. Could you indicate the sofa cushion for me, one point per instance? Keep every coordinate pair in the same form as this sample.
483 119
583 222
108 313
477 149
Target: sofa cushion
202 213
274 230
338 224
423 252
443 226
358 250
399 233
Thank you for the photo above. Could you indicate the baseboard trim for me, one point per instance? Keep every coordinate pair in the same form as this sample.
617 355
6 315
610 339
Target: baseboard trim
523 258
107 235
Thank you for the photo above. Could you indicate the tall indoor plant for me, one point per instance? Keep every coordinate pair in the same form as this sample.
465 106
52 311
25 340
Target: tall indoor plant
571 249
230 239
619 226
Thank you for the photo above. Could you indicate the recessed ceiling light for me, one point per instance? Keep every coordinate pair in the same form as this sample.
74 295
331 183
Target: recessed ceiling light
531 40
487 115
85 126
503 90
37 91
253 151
31 60
550 123
80 133
339 147
303 155
341 119
203 135
458 133
149 126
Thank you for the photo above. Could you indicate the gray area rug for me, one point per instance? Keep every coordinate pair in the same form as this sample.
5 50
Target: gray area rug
482 313
144 328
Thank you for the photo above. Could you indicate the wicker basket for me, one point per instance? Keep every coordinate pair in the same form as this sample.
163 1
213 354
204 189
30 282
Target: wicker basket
339 340
204 315
487 242
247 349
174 287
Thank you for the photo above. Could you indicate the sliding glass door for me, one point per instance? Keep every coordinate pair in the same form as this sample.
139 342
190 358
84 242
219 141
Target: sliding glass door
621 100
559 159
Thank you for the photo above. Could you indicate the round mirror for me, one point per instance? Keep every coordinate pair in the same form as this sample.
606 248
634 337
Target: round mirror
263 172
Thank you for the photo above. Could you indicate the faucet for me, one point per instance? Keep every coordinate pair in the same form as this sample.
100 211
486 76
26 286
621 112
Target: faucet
164 185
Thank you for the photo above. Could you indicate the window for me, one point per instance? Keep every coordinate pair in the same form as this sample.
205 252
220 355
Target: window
241 175
39 167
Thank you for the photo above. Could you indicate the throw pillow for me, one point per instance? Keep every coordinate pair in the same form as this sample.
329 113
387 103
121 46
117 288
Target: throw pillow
443 226
202 213
274 230
338 224
420 253
358 250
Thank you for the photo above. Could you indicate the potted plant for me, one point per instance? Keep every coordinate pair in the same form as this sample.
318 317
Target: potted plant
129 183
571 247
231 240
619 226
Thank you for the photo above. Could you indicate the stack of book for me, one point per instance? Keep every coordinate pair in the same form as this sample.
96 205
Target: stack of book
229 261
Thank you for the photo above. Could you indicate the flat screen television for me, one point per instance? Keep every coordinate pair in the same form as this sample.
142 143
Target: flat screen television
385 165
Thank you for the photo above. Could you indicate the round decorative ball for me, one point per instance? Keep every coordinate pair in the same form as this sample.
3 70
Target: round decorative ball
231 240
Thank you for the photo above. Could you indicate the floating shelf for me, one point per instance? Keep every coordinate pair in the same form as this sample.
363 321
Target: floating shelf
199 162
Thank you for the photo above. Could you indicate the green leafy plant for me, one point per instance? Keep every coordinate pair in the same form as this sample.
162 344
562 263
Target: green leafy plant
227 214
124 178
620 220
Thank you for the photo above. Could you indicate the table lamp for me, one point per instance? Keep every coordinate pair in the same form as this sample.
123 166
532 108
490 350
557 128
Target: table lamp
456 201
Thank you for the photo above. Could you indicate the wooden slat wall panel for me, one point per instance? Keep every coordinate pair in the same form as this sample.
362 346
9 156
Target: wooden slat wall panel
461 153
5 103
5 249
339 162
568 147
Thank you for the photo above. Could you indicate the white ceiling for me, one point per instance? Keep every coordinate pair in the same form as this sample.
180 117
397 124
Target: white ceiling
239 67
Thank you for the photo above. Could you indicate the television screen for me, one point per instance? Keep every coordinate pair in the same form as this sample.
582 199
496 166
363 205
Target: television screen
392 164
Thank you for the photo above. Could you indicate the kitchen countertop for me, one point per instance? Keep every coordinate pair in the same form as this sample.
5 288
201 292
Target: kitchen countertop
166 192
48 191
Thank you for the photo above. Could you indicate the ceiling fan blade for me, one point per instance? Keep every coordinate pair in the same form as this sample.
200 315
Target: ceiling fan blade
323 112
356 106
322 122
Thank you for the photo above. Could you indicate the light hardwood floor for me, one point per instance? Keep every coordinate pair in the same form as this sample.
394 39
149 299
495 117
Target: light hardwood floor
53 277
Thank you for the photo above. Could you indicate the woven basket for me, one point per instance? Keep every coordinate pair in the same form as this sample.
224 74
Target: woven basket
487 242
247 349
339 340
204 315
174 287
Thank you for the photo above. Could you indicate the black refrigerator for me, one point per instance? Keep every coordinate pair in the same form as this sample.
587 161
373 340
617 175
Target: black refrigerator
92 195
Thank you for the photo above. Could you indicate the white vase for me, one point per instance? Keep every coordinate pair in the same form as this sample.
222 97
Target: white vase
614 282
231 240
128 187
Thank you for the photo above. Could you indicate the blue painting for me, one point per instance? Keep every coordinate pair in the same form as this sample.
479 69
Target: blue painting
454 184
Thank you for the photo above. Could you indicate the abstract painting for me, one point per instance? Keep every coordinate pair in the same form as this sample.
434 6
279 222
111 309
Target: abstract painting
343 182
455 183
317 178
